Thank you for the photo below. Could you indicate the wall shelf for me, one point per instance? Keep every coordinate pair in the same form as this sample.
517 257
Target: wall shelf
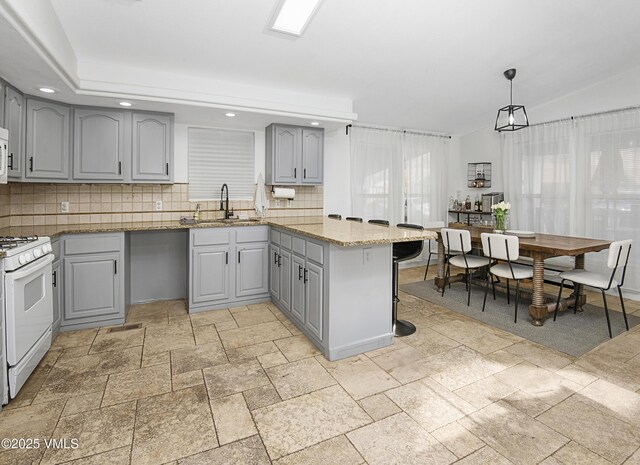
479 175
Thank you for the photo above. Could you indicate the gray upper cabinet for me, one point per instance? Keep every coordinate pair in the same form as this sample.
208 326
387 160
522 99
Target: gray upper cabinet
294 155
14 114
48 140
98 148
312 156
151 147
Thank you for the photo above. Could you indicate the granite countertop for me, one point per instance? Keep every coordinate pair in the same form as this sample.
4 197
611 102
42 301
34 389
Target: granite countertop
338 232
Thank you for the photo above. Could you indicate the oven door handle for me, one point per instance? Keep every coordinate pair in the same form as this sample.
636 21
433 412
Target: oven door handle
31 267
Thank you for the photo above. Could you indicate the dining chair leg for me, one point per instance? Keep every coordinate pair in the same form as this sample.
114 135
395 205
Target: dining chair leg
466 278
468 288
427 268
446 278
515 318
624 313
493 285
508 293
486 289
555 313
606 311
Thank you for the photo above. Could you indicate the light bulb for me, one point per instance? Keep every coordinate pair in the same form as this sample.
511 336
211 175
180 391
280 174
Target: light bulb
510 118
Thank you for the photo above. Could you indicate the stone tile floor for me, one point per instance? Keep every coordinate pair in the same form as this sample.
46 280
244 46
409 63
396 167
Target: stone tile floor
243 386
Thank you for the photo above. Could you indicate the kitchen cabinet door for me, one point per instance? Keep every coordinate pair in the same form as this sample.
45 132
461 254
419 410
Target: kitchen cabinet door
93 287
14 123
48 140
251 269
313 299
312 156
210 273
274 272
152 147
298 288
58 286
98 148
286 155
3 95
285 279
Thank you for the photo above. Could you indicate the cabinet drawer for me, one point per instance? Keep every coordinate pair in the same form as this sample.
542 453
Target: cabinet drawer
213 236
315 252
93 243
275 236
298 246
285 241
252 234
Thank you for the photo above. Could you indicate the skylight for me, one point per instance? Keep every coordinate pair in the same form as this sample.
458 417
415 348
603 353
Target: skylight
293 16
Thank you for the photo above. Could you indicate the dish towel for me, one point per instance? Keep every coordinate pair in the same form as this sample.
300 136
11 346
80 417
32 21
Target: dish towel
260 200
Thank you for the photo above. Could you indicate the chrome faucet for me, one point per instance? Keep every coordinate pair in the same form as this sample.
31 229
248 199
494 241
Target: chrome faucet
197 213
227 213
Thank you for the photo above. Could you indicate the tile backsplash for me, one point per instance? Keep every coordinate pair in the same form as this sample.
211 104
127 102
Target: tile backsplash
5 204
25 204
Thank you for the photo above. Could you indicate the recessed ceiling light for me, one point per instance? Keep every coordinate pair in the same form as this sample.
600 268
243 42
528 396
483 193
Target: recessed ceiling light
47 90
315 123
126 104
293 16
230 115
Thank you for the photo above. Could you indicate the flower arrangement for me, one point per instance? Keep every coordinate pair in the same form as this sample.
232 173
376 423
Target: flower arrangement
500 211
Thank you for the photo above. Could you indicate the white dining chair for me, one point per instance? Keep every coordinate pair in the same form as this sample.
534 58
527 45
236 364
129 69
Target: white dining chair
457 245
505 248
618 258
432 246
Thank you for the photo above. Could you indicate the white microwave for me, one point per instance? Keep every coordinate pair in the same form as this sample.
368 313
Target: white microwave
4 155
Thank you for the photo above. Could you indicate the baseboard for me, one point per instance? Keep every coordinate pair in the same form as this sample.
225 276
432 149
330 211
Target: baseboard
236 303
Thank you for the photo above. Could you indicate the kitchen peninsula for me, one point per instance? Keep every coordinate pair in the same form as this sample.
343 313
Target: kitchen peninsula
331 278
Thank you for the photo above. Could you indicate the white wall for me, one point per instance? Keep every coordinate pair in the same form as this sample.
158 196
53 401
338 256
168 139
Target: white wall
617 92
337 173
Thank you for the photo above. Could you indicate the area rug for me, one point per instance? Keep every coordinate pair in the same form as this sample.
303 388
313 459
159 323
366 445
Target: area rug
572 334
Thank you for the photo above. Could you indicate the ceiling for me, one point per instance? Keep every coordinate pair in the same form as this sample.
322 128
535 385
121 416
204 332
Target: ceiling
422 64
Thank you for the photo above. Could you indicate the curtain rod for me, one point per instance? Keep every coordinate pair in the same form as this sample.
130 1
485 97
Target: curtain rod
587 115
404 131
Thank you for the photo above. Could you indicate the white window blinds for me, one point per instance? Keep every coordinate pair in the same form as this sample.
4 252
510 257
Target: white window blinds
218 156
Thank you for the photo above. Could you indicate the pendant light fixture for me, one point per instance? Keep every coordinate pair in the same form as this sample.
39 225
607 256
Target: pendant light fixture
512 117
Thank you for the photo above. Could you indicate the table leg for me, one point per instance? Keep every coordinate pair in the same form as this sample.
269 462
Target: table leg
538 310
578 290
440 279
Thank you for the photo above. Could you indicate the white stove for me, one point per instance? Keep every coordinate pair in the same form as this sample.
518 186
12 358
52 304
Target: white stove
27 307
20 251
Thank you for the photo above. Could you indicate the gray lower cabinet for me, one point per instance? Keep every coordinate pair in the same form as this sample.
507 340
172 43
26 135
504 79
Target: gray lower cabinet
294 155
94 267
99 144
48 131
211 273
228 266
14 114
298 288
251 257
152 148
58 294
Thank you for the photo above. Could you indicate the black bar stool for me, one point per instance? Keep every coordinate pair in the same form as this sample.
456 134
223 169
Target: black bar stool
333 216
354 218
379 222
403 251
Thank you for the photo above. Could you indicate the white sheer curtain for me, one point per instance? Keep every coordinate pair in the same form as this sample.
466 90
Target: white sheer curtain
424 162
579 177
391 169
376 174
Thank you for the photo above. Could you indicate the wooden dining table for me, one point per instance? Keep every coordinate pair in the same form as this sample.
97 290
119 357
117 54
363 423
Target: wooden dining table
538 248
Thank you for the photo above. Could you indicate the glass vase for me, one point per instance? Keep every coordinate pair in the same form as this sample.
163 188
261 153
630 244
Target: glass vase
500 222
